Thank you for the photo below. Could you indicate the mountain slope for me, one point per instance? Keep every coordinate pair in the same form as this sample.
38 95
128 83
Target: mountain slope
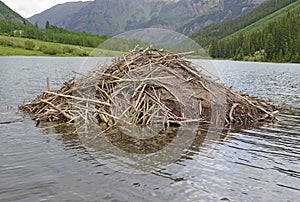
222 29
227 10
111 17
57 13
261 24
9 14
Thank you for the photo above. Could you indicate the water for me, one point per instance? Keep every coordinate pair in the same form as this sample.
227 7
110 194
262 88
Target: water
260 164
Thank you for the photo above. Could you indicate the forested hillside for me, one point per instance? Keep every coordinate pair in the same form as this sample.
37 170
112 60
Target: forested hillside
273 38
12 24
222 29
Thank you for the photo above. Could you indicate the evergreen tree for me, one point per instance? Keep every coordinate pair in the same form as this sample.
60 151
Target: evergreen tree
214 49
269 47
47 26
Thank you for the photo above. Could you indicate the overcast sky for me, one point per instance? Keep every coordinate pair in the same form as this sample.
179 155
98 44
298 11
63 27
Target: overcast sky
27 8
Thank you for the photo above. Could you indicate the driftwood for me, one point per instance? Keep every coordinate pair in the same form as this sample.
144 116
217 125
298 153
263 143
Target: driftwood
148 87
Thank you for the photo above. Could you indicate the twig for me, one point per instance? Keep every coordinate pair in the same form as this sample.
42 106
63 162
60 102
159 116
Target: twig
78 98
231 111
58 109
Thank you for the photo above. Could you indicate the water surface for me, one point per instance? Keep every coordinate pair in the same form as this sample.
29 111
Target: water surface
260 164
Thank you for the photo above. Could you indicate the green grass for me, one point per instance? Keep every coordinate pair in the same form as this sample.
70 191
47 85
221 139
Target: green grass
5 51
17 46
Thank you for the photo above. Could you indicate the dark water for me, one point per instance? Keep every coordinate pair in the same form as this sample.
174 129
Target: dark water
261 164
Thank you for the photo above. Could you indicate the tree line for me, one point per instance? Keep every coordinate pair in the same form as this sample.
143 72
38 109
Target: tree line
50 33
279 41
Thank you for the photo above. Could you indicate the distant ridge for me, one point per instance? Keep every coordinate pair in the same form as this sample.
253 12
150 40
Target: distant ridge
8 14
57 13
111 17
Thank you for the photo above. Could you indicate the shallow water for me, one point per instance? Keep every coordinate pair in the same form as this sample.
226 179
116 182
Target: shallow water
258 164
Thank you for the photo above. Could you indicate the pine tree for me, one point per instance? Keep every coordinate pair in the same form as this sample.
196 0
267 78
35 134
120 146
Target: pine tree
214 49
269 46
47 26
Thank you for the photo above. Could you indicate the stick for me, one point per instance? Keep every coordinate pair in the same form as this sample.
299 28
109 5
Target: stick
231 111
78 98
48 83
58 109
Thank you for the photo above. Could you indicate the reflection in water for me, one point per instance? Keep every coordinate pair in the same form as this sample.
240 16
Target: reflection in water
267 156
125 153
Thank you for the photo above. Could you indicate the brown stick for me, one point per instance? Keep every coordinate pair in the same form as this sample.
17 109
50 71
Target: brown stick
58 109
78 98
231 111
48 83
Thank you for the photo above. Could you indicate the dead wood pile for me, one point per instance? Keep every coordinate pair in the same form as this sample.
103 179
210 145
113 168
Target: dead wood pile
147 87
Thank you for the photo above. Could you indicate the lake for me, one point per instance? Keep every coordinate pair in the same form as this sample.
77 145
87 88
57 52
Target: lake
260 164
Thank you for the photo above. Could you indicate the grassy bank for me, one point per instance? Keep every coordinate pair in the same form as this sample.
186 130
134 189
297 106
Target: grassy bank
31 47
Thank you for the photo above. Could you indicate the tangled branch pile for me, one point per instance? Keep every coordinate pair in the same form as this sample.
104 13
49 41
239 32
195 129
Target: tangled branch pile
148 87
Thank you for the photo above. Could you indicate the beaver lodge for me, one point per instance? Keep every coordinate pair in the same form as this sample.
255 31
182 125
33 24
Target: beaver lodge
147 87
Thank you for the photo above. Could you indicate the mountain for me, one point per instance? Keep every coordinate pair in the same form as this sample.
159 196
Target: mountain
227 9
8 14
57 13
111 17
276 38
222 29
